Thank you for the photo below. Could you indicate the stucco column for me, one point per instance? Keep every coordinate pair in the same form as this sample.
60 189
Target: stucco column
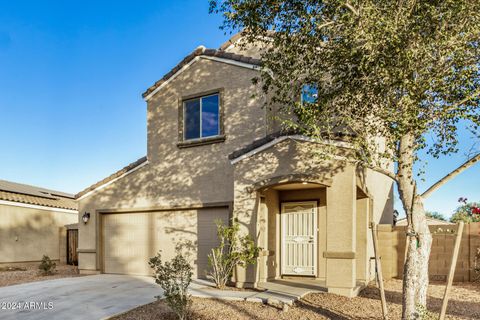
245 210
341 233
87 240
62 245
364 251
262 242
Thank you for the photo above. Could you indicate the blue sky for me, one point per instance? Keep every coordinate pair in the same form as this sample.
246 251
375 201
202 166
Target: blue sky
71 78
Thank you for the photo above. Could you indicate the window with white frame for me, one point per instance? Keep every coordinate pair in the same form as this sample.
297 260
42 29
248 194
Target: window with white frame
201 117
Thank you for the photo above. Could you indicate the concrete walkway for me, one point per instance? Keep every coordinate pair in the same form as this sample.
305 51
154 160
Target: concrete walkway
103 296
276 292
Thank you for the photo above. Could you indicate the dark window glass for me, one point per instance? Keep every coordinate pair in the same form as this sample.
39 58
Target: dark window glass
192 119
210 116
201 117
309 93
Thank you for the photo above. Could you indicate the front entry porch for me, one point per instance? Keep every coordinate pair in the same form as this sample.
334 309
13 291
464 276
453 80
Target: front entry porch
309 216
292 232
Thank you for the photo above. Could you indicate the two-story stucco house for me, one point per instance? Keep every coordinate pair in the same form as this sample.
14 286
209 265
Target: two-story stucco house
214 152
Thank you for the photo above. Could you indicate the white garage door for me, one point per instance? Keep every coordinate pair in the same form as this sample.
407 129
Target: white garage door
131 239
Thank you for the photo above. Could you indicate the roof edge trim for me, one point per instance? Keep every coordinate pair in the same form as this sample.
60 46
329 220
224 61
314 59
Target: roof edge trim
151 94
203 55
291 137
107 183
36 206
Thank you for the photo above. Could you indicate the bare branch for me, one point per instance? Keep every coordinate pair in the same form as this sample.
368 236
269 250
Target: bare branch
472 151
465 100
351 8
326 24
381 170
470 162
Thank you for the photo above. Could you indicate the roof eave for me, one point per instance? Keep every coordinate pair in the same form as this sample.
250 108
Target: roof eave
112 178
201 52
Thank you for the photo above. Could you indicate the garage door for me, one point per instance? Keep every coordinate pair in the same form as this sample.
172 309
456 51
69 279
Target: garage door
131 239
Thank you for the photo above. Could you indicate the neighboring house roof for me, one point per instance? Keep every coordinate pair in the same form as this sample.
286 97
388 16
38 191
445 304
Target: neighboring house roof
201 52
117 175
430 221
31 195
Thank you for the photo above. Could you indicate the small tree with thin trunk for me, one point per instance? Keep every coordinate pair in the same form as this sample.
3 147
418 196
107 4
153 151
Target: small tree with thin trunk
233 250
394 77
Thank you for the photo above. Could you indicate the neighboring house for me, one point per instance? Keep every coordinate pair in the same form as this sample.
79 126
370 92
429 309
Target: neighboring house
214 152
33 222
430 221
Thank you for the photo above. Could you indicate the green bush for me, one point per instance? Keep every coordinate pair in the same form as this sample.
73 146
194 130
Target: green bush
47 266
234 250
435 215
174 277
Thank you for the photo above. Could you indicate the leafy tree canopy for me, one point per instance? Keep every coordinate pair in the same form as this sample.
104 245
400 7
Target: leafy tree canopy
386 68
392 76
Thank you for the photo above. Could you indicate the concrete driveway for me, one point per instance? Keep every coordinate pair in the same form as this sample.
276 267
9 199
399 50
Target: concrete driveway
89 297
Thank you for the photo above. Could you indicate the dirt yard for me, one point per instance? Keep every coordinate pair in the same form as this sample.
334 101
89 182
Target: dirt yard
464 304
29 273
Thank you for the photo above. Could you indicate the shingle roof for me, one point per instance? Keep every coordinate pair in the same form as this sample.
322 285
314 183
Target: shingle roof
113 176
202 51
27 194
339 137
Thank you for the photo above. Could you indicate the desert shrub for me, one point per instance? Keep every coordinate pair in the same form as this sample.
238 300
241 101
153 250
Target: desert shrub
233 250
174 277
47 266
424 314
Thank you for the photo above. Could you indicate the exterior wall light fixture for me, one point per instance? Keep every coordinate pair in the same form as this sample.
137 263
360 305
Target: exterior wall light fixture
86 217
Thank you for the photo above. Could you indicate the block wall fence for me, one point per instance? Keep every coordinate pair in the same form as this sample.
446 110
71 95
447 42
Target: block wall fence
392 242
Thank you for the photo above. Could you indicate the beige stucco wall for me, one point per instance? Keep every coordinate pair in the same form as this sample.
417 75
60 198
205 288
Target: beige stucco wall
181 177
272 201
364 241
378 208
27 234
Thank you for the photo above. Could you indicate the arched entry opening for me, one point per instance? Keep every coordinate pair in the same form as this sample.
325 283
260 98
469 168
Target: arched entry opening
291 229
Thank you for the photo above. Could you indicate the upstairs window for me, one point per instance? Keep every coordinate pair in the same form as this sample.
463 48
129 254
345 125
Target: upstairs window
201 117
309 93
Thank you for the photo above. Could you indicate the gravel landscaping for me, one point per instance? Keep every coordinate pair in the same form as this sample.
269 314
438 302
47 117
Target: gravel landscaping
29 272
464 304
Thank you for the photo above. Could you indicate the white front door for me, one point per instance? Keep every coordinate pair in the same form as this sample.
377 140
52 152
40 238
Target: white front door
299 238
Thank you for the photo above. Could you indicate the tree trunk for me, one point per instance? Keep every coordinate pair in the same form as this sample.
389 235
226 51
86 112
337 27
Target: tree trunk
415 273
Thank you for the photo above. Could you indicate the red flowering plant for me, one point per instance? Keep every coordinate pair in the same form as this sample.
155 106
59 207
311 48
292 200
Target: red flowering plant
467 211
